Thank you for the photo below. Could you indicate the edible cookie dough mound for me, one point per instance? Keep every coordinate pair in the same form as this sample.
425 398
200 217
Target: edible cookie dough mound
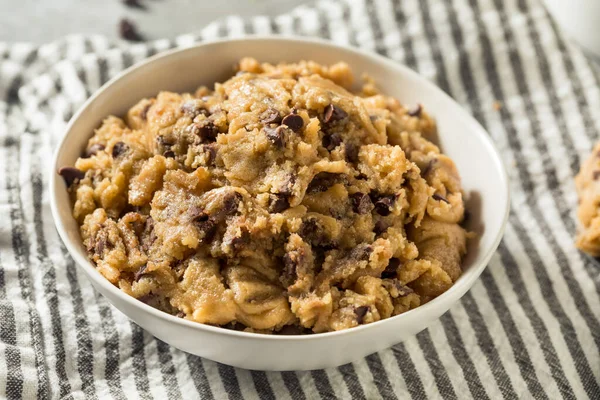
587 183
278 201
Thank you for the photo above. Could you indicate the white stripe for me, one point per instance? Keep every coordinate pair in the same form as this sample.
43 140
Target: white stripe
339 29
285 24
261 25
235 26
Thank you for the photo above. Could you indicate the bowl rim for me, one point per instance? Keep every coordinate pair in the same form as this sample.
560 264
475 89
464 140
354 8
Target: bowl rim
449 297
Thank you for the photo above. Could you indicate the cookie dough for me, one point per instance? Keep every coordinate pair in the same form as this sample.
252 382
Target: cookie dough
587 183
279 201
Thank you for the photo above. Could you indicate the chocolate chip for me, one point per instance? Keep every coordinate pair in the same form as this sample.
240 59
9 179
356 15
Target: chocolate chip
231 203
596 175
403 290
391 270
429 167
140 272
270 116
380 227
144 112
278 202
100 243
351 152
439 197
134 4
128 31
204 224
415 111
289 274
238 242
333 114
205 130
384 204
360 313
293 121
93 150
323 181
191 108
291 330
169 154
118 149
148 236
276 135
361 203
288 186
211 153
309 229
180 314
332 141
71 175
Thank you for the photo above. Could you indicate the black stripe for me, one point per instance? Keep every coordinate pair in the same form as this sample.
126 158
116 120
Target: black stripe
111 346
21 247
85 350
323 385
167 369
273 25
324 30
230 381
462 357
441 76
8 336
440 375
485 342
199 376
380 376
49 283
348 22
375 27
405 39
290 379
81 75
409 372
103 70
138 361
296 26
262 385
354 388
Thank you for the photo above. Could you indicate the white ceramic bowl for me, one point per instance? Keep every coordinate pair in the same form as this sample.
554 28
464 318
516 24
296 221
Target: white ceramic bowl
460 136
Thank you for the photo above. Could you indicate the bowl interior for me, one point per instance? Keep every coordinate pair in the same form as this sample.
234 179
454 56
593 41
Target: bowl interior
459 135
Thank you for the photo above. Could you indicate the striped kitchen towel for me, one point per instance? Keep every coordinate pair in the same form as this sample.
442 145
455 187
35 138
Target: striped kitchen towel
529 328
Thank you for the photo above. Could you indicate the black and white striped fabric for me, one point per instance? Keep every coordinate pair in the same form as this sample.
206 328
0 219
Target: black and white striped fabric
529 328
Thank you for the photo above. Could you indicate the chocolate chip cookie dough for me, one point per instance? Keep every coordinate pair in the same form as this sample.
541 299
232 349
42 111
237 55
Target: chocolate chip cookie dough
587 183
277 202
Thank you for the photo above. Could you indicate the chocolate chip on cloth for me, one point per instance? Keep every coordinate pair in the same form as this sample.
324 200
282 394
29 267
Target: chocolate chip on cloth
277 201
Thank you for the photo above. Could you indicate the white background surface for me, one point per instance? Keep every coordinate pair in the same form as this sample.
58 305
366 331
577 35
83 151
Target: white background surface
42 21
